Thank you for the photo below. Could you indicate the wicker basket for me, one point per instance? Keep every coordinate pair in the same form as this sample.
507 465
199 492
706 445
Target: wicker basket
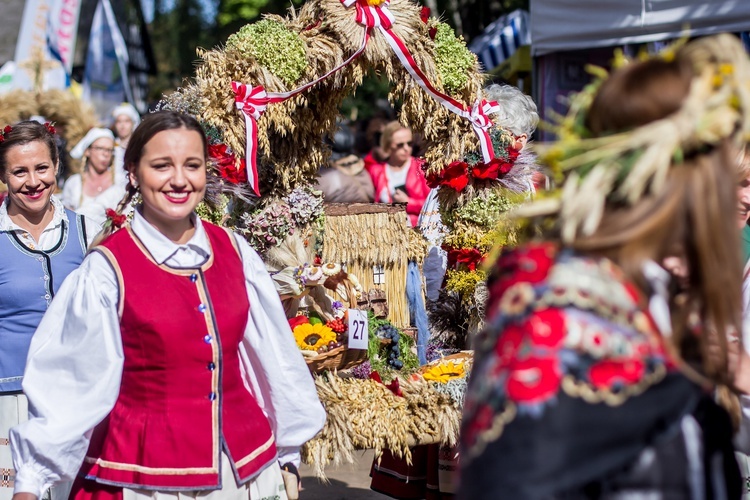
339 358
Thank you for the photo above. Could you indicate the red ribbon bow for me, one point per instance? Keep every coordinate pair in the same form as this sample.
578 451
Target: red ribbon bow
372 16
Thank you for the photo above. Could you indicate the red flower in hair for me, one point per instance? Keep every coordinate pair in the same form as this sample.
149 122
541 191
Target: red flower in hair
512 153
433 32
5 131
50 128
117 220
455 175
424 14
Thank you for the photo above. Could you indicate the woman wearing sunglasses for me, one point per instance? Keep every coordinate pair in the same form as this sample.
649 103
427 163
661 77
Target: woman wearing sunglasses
400 178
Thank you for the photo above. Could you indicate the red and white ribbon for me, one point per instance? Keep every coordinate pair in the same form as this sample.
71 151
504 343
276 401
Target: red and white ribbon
253 101
372 16
482 123
368 15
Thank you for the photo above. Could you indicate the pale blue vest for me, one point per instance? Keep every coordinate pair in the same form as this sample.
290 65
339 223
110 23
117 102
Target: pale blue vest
28 281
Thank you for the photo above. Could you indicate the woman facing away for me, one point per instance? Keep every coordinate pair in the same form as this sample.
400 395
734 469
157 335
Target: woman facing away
95 189
400 178
41 243
593 378
166 366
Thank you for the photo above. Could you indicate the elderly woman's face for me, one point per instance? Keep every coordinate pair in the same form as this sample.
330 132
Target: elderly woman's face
30 176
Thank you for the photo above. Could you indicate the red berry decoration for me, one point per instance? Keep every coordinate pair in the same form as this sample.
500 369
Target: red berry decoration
337 325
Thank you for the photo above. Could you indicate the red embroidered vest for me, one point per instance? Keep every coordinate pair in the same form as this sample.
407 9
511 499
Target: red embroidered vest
182 398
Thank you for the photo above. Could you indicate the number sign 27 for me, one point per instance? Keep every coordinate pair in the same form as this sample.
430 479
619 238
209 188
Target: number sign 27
358 334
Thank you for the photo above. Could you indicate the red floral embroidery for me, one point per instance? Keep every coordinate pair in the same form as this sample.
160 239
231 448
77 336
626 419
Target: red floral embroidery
547 328
608 373
508 345
529 264
534 379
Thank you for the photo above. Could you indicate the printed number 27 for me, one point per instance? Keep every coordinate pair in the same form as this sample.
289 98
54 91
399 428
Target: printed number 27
359 328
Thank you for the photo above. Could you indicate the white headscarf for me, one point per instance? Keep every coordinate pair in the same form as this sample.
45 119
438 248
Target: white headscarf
128 110
89 139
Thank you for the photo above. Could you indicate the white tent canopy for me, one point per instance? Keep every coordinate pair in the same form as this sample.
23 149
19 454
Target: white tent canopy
561 25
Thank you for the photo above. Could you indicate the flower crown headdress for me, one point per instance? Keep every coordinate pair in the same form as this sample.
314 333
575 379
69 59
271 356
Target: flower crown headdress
8 129
627 166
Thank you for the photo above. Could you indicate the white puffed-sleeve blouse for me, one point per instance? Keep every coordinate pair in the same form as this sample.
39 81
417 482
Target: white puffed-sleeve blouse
75 363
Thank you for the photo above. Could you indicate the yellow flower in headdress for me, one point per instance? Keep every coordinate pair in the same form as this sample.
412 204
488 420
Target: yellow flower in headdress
312 337
445 371
374 3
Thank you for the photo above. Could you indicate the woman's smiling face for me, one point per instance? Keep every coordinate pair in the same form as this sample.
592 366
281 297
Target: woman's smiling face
171 176
30 176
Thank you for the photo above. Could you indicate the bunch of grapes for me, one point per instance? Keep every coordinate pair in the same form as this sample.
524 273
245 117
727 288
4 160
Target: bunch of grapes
337 325
393 352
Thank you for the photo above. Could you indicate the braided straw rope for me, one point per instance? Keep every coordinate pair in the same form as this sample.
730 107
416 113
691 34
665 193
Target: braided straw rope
717 107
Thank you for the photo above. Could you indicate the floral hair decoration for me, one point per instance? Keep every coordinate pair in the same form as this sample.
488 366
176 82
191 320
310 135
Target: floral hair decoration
5 132
115 219
625 167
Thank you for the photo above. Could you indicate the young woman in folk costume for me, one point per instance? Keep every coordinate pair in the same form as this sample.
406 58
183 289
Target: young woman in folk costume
166 366
41 243
95 189
593 379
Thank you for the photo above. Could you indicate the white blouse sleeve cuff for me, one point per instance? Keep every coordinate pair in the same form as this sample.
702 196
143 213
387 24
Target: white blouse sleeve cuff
31 479
287 455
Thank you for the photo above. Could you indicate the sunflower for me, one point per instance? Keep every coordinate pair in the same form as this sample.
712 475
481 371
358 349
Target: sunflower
312 337
445 371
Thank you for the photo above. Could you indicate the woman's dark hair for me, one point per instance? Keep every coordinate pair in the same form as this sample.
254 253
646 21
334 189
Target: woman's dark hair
154 123
23 133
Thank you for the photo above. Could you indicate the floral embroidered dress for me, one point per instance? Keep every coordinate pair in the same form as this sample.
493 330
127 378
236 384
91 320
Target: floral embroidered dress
574 394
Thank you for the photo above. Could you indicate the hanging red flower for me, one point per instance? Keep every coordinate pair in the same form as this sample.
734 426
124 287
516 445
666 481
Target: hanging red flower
226 163
495 169
468 257
455 175
424 14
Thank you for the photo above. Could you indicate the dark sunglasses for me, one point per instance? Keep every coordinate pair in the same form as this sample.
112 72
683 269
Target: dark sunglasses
402 144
